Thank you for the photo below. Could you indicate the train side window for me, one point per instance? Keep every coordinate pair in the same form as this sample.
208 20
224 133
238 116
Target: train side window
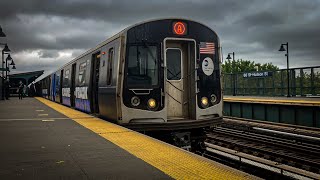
66 78
82 74
110 64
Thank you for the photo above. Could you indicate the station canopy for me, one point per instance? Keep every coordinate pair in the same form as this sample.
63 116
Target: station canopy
26 77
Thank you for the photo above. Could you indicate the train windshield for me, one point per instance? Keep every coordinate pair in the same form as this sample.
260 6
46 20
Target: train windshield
142 66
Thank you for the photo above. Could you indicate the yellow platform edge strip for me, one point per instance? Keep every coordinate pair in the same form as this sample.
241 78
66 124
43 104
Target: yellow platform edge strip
177 163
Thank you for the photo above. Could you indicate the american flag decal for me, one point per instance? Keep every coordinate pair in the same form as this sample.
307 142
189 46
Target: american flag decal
206 48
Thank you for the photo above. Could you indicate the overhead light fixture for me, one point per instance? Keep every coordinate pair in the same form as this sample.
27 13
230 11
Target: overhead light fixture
2 34
229 57
9 58
12 63
6 48
282 48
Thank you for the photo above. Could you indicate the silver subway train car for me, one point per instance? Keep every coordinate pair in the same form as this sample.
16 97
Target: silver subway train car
159 75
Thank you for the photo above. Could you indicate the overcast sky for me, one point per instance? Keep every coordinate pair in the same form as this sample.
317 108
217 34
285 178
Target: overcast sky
45 35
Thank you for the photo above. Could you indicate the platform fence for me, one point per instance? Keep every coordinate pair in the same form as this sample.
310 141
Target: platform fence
304 81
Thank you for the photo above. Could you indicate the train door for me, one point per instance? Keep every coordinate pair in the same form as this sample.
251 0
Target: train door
95 82
53 87
49 87
61 85
178 79
73 81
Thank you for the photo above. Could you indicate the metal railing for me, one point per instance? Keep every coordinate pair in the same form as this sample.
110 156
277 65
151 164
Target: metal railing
304 81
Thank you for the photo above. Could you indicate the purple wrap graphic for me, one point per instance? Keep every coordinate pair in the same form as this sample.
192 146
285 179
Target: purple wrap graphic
83 105
66 101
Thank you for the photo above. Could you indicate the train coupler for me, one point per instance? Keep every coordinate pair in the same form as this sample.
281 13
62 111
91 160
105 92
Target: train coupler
182 140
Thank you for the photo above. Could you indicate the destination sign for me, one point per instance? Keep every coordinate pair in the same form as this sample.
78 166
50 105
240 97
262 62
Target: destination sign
179 28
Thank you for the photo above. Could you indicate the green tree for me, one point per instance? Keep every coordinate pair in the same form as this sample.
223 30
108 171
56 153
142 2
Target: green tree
241 65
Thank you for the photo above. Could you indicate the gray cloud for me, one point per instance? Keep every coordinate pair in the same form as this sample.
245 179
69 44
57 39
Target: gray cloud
45 31
125 10
48 54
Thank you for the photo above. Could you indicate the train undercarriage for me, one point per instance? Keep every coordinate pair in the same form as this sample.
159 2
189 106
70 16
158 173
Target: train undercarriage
190 140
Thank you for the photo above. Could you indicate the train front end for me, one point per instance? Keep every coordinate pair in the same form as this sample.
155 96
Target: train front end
171 77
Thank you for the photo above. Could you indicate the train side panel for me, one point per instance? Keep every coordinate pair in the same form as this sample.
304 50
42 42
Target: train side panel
66 85
82 82
49 87
57 93
45 87
108 80
53 87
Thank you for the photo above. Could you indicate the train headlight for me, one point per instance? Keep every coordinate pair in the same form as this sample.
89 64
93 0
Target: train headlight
213 98
204 102
135 101
152 103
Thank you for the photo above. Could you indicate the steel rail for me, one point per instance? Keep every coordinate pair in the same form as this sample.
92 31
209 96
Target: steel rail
268 146
311 131
305 147
274 152
250 160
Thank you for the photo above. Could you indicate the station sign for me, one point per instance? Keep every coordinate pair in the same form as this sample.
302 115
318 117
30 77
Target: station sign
257 74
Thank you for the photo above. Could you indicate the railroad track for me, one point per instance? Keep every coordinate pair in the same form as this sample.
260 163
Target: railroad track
264 147
289 128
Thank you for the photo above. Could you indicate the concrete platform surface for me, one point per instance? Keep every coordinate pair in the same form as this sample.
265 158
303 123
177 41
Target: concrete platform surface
39 146
41 139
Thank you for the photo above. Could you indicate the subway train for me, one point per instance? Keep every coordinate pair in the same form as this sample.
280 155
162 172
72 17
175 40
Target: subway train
155 76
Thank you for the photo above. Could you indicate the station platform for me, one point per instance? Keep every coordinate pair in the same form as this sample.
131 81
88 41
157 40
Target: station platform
300 101
298 111
41 139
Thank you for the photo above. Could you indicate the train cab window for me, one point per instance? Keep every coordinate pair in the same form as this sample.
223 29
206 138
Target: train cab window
110 64
142 66
173 64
